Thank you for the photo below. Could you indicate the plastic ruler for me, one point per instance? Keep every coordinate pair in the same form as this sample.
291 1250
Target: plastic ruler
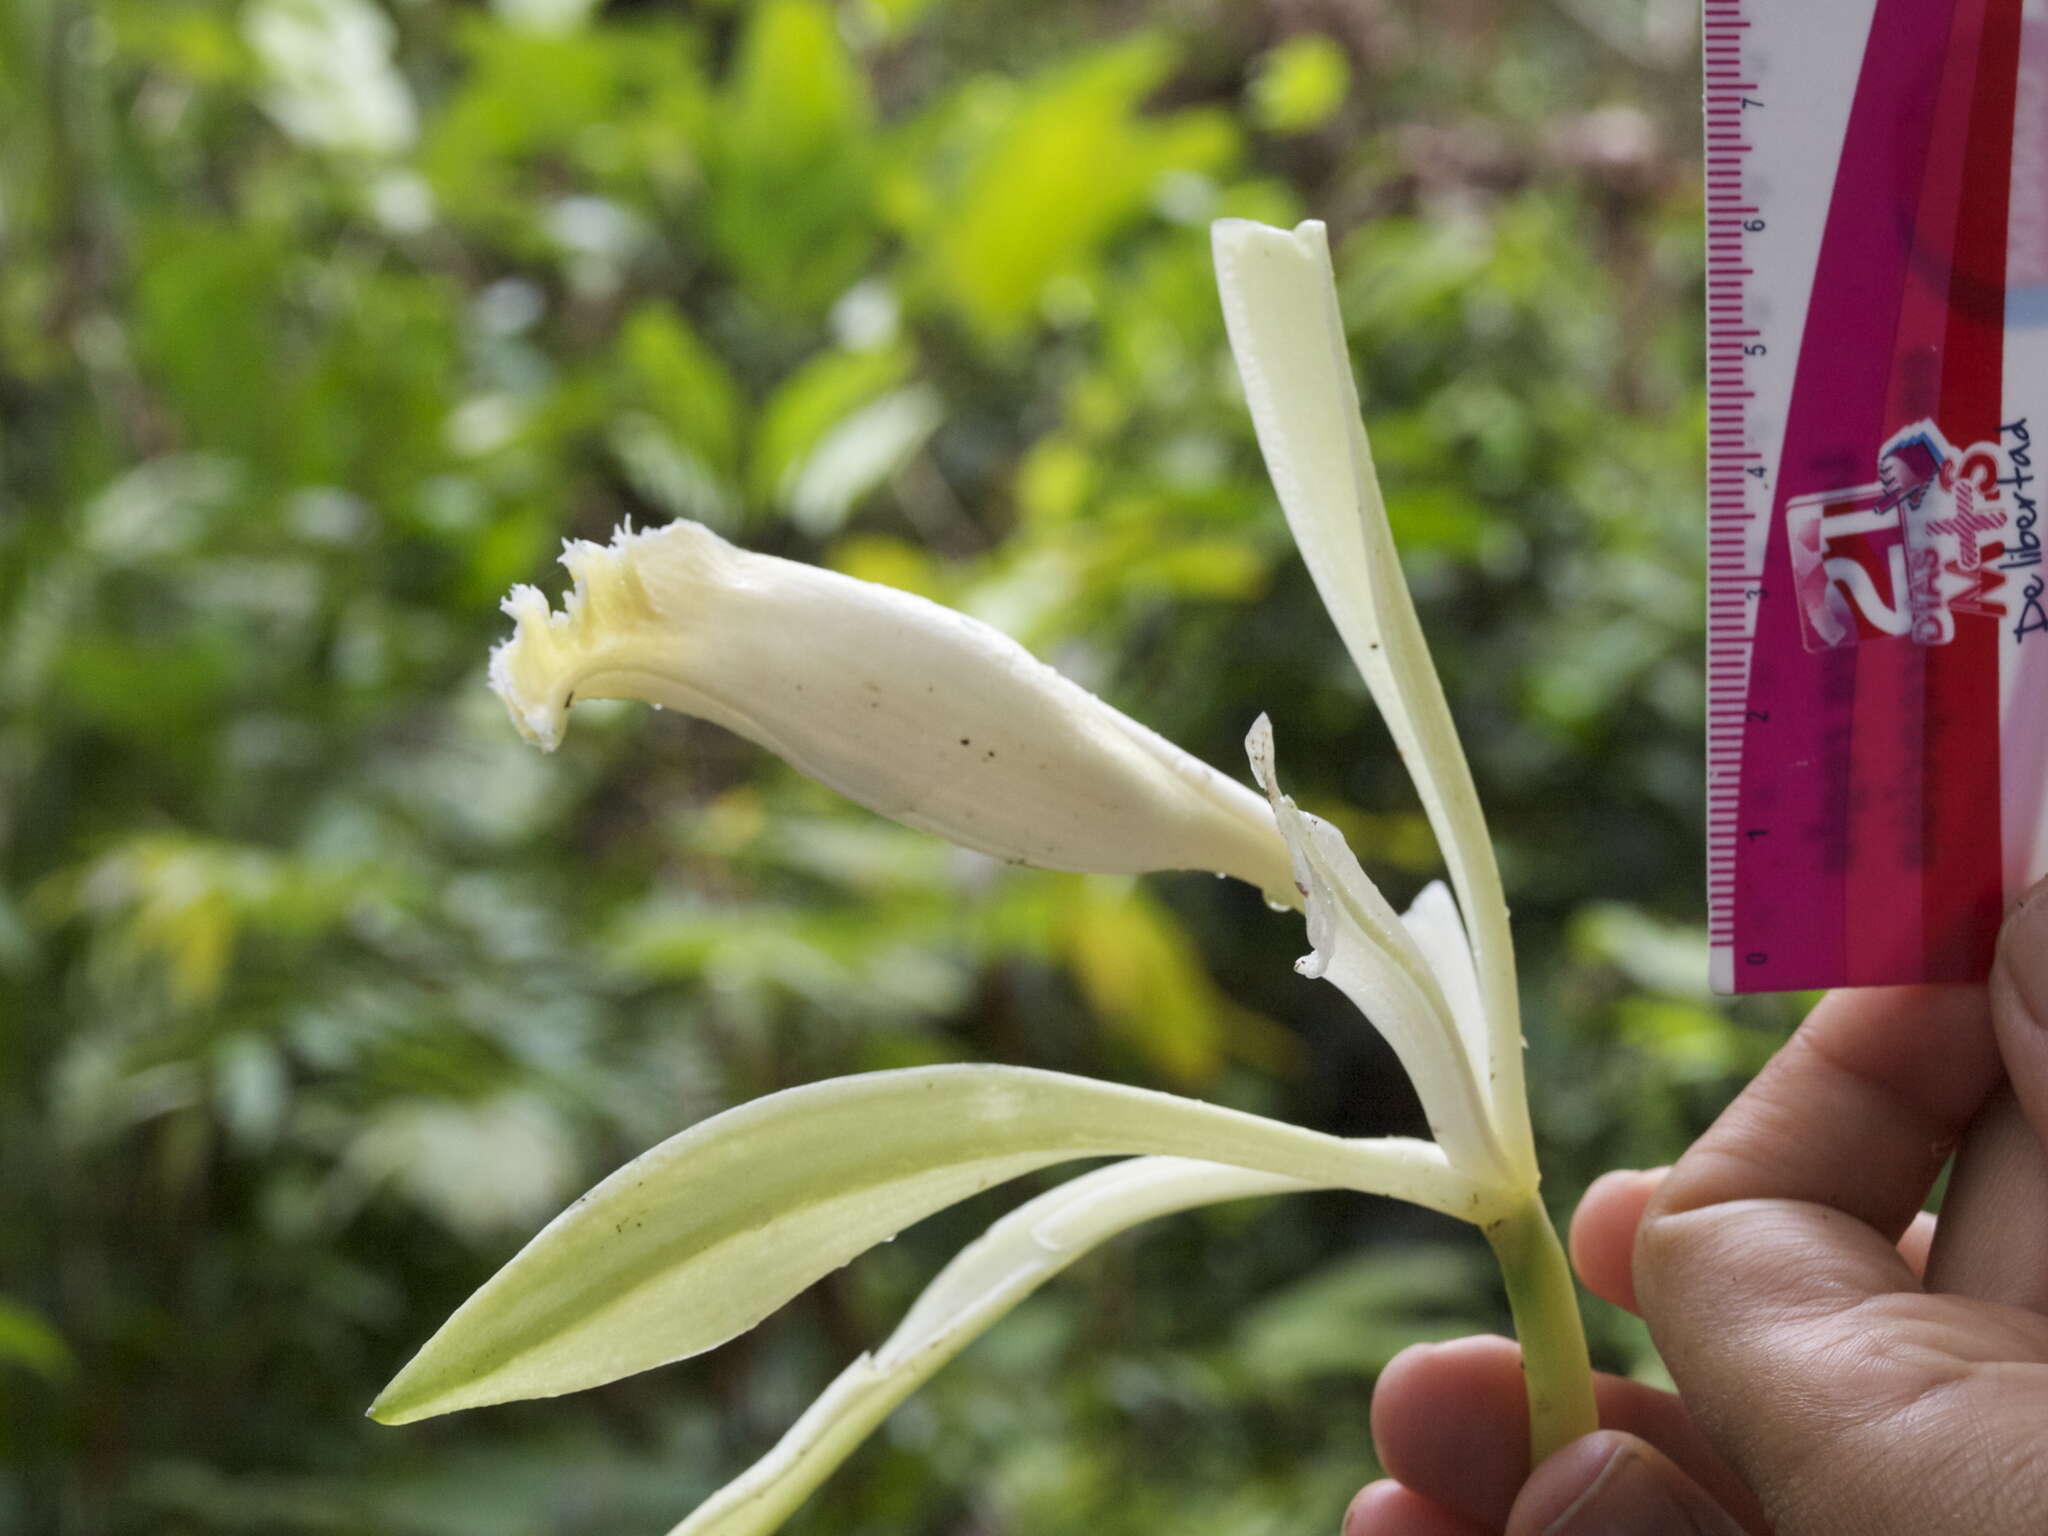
1877 352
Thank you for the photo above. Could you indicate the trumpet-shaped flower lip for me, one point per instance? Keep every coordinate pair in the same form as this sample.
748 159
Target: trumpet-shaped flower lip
907 707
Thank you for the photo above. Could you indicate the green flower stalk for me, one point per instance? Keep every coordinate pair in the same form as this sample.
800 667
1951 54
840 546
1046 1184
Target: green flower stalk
946 725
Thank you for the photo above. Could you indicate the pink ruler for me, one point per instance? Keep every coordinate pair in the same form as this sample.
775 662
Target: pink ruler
1877 654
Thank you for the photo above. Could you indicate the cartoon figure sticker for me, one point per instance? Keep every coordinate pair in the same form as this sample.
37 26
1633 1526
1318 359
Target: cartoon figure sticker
1903 556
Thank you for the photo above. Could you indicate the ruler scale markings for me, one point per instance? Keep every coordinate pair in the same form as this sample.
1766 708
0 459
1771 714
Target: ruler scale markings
1863 209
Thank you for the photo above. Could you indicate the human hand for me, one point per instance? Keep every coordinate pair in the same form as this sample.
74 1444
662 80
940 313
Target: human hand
1846 1367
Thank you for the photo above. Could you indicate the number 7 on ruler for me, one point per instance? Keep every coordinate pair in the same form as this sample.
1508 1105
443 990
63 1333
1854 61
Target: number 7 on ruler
1877 369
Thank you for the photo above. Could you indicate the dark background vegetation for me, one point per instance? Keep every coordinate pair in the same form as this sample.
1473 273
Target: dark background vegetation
323 321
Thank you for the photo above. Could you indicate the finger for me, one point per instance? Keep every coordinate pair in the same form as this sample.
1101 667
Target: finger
1857 1113
1610 1484
1451 1423
1987 1246
1603 1232
2019 1004
1603 1236
1755 1256
1385 1508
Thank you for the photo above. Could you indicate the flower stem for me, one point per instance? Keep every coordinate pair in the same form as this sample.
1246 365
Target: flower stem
1545 1303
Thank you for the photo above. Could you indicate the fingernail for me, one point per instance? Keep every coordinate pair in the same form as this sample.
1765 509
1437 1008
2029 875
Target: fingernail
1626 1499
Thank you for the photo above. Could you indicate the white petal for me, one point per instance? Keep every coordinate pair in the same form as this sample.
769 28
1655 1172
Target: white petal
1432 921
1280 305
1368 953
911 709
699 1239
1010 1261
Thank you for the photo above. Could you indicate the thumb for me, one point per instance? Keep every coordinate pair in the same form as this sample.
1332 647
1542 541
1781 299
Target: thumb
1767 1269
1612 1484
2019 1004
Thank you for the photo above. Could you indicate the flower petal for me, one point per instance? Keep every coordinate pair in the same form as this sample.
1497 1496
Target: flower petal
699 1239
1007 1263
1433 922
1280 306
911 709
1369 954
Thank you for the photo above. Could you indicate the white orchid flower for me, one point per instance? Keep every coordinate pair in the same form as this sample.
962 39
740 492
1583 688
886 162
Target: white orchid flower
947 725
911 709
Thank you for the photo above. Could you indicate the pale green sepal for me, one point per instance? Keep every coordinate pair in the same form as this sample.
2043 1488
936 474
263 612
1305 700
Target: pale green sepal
1280 306
1010 1261
701 1238
1361 947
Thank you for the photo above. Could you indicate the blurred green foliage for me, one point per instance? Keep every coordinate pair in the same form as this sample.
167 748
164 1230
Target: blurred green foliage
322 321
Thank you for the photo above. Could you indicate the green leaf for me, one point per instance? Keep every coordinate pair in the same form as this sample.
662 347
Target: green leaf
716 1228
1073 163
28 1341
1144 978
859 455
792 171
811 407
1300 84
681 382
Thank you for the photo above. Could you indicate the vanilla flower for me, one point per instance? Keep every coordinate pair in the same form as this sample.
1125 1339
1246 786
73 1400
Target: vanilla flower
947 725
913 710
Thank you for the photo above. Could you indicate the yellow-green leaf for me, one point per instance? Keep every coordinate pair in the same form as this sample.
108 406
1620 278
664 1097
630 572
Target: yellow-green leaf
704 1236
1300 84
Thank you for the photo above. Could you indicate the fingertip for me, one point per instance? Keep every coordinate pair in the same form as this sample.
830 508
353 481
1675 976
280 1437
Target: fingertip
1373 1509
1386 1508
1451 1420
1603 1232
1400 1382
1424 1381
1377 1509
